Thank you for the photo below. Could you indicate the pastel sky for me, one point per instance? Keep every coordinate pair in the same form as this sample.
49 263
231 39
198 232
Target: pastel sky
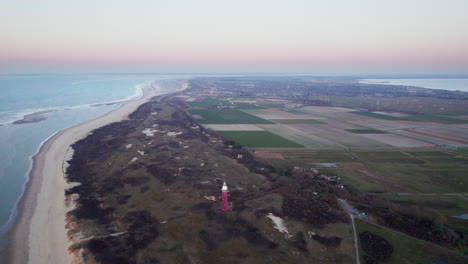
307 36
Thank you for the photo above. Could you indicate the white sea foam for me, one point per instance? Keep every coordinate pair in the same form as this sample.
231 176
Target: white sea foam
8 117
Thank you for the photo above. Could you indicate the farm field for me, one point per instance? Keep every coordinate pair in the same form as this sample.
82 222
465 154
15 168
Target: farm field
366 131
397 140
376 115
417 118
430 139
396 161
384 125
325 110
425 105
338 136
281 114
227 117
436 118
259 139
295 111
407 250
297 121
306 139
341 124
447 130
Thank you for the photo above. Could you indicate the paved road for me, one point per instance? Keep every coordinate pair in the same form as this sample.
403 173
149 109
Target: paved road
351 211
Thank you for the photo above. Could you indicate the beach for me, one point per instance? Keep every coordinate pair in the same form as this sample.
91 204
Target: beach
39 234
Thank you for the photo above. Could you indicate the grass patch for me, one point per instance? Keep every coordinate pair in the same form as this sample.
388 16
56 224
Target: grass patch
297 121
227 117
366 131
407 250
258 139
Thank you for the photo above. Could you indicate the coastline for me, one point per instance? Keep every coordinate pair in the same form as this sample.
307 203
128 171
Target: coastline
39 234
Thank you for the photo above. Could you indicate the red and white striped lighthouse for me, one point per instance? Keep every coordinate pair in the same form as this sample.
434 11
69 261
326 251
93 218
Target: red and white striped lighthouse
224 195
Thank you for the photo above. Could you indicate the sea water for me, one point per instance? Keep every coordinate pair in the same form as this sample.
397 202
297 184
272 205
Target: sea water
449 84
70 100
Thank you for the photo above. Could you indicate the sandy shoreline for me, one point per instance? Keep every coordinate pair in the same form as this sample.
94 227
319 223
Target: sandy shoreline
39 234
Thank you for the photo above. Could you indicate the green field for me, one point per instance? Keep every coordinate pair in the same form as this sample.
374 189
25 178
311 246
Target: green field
366 131
297 121
418 118
227 117
407 250
258 139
